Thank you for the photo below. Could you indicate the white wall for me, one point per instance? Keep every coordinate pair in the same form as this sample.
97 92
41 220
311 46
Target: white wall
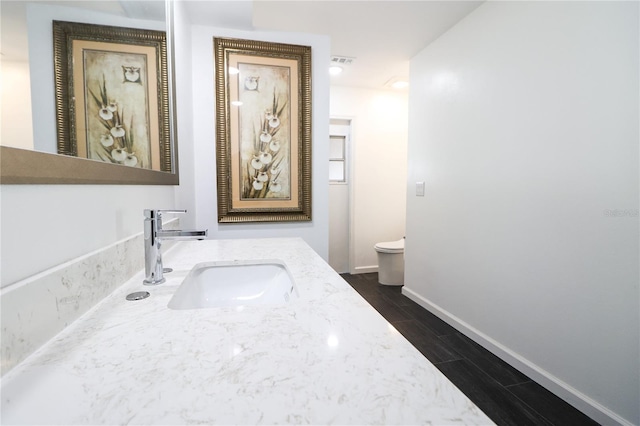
185 193
46 225
315 233
524 123
379 166
15 107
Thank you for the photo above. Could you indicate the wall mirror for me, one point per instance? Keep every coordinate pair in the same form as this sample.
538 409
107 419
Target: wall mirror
28 142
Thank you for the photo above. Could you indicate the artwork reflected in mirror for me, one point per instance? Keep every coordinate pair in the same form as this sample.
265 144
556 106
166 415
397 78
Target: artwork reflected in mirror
28 144
112 94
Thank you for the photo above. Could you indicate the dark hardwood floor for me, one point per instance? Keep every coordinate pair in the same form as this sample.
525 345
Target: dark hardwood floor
507 396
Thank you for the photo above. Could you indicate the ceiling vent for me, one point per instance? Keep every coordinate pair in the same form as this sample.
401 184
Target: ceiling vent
341 60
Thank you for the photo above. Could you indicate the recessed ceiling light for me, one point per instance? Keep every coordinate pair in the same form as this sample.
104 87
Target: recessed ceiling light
335 70
397 83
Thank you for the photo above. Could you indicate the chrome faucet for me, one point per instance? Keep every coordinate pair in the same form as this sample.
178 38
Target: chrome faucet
153 236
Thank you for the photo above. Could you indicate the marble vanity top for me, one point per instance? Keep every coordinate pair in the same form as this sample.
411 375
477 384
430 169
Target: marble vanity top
325 358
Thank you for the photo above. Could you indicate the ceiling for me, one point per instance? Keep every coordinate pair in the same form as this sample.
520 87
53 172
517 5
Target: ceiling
13 18
382 36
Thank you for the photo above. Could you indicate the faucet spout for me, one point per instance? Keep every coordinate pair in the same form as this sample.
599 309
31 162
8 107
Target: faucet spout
153 237
182 235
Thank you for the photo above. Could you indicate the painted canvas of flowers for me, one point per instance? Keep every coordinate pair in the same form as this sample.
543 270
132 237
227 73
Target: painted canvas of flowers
117 114
265 131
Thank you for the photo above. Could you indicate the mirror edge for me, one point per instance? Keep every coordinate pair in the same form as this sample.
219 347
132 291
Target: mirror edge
171 81
21 166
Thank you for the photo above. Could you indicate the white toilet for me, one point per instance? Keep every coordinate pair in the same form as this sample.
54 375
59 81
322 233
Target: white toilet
391 262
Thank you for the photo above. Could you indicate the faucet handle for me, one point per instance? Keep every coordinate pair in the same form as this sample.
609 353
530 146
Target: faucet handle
153 213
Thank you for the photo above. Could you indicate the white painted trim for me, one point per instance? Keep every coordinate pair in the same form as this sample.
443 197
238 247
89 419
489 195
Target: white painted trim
352 202
553 384
350 181
365 269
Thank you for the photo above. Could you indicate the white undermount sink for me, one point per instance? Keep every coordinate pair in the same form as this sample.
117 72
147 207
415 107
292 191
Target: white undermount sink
235 283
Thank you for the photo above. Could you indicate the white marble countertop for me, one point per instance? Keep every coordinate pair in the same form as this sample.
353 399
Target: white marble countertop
325 358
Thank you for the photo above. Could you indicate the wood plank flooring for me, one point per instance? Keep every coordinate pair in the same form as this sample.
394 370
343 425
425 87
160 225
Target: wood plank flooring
507 396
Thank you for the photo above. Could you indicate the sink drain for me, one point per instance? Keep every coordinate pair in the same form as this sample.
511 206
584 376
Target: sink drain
138 295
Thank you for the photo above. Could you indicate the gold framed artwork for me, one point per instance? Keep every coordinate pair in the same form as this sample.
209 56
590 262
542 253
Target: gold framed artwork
112 94
263 131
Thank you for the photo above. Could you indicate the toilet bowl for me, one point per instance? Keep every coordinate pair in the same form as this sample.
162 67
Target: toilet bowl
391 262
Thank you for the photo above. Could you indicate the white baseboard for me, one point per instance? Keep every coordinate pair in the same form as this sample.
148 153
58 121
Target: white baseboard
364 269
563 390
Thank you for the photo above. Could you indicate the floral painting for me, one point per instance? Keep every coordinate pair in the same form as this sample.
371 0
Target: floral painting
263 131
117 119
112 99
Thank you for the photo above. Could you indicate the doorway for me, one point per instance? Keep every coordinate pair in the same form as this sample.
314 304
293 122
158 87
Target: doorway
339 194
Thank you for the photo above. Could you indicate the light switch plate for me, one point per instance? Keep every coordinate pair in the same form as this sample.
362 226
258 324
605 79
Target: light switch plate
420 189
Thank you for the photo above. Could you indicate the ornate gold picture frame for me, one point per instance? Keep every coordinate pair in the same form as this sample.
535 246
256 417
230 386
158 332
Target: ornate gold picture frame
112 94
263 131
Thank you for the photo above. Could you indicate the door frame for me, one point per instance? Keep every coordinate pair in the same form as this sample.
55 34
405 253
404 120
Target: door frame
350 175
